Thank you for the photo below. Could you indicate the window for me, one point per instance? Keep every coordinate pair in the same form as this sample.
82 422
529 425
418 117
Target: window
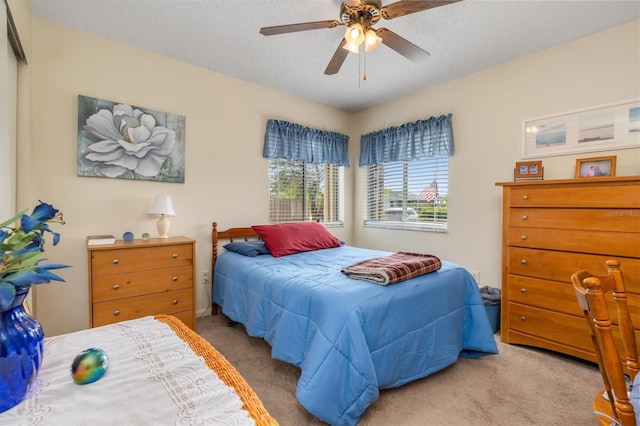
408 194
306 173
300 191
407 174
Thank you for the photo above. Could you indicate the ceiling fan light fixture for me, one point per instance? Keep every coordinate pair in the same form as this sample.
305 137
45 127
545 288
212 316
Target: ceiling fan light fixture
372 40
359 16
354 35
352 47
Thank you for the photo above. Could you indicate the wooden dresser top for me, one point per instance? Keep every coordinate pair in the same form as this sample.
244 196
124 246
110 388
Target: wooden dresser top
584 181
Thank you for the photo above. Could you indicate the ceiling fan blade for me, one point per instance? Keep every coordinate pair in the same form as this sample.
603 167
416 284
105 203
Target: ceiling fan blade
292 28
405 7
338 59
402 45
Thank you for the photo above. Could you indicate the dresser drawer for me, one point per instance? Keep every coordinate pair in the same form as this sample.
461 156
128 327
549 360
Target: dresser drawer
560 297
617 220
558 327
558 266
105 262
553 295
118 286
616 196
624 244
140 306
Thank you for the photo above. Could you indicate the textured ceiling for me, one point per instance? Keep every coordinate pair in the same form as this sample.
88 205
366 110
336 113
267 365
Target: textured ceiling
222 35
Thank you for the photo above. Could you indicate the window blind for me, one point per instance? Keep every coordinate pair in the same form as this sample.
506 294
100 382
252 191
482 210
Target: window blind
408 194
300 191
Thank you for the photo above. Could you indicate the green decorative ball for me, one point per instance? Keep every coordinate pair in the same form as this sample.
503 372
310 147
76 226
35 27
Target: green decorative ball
146 236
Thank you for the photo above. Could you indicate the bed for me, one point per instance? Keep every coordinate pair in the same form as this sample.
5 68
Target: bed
350 338
160 372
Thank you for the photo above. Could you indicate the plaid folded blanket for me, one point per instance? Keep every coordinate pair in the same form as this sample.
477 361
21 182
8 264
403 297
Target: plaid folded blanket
391 269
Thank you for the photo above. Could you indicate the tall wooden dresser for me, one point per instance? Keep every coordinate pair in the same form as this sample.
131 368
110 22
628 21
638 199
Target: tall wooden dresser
133 279
550 229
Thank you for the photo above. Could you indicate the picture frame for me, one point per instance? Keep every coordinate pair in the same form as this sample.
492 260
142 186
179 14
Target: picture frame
600 128
109 132
528 170
595 167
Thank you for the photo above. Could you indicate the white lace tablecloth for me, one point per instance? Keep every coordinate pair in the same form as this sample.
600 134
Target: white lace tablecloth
153 378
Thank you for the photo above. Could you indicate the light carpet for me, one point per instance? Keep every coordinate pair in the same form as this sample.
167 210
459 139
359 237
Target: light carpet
518 386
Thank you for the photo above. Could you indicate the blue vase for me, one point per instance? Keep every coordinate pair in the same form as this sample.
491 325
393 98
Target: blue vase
21 346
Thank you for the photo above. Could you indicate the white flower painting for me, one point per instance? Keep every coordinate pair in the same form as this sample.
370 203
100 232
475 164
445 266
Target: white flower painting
122 141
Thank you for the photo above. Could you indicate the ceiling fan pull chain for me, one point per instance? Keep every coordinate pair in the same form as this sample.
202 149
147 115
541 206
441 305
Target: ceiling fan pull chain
359 66
364 67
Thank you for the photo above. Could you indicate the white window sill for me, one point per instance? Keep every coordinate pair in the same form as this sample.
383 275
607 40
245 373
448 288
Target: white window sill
409 226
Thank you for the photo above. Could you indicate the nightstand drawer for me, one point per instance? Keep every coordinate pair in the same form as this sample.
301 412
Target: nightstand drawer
140 306
118 286
105 262
187 318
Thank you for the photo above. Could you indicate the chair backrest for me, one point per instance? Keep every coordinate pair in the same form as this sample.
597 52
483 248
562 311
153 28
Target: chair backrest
591 291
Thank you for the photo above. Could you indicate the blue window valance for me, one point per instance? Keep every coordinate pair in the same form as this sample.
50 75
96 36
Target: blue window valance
410 141
292 141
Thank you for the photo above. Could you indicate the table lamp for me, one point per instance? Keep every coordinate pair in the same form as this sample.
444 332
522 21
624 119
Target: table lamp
162 206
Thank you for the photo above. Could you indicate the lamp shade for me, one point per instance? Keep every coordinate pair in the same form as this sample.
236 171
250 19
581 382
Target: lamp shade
371 40
162 205
354 35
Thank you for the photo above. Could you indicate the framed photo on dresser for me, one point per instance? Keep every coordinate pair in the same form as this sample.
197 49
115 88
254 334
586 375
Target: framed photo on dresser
528 170
595 167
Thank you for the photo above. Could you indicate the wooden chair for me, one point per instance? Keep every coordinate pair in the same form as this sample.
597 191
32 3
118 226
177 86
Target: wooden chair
611 405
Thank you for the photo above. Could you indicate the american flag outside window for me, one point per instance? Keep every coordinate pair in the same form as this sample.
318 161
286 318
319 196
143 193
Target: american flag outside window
430 192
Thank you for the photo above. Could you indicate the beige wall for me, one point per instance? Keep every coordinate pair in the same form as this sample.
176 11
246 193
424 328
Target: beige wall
488 108
226 177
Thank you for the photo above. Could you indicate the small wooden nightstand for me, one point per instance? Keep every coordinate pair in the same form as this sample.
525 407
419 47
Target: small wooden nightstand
142 277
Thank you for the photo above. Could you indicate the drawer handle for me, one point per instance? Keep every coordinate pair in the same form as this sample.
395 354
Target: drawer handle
116 313
523 290
175 301
523 318
116 286
115 261
525 217
523 237
525 197
174 279
523 261
174 255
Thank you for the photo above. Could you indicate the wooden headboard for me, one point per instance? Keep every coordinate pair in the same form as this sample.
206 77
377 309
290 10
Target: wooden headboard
230 234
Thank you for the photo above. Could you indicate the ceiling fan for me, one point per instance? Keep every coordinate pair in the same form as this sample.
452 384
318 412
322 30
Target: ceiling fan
359 16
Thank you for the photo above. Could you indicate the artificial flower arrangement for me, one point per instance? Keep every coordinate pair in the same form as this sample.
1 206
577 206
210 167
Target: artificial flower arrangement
21 250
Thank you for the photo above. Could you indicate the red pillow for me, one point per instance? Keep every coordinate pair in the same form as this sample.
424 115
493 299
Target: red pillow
295 237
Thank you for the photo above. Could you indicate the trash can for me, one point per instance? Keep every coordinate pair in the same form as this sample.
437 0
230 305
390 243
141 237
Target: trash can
491 302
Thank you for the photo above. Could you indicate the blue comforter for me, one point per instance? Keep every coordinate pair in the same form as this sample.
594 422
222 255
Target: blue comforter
351 338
